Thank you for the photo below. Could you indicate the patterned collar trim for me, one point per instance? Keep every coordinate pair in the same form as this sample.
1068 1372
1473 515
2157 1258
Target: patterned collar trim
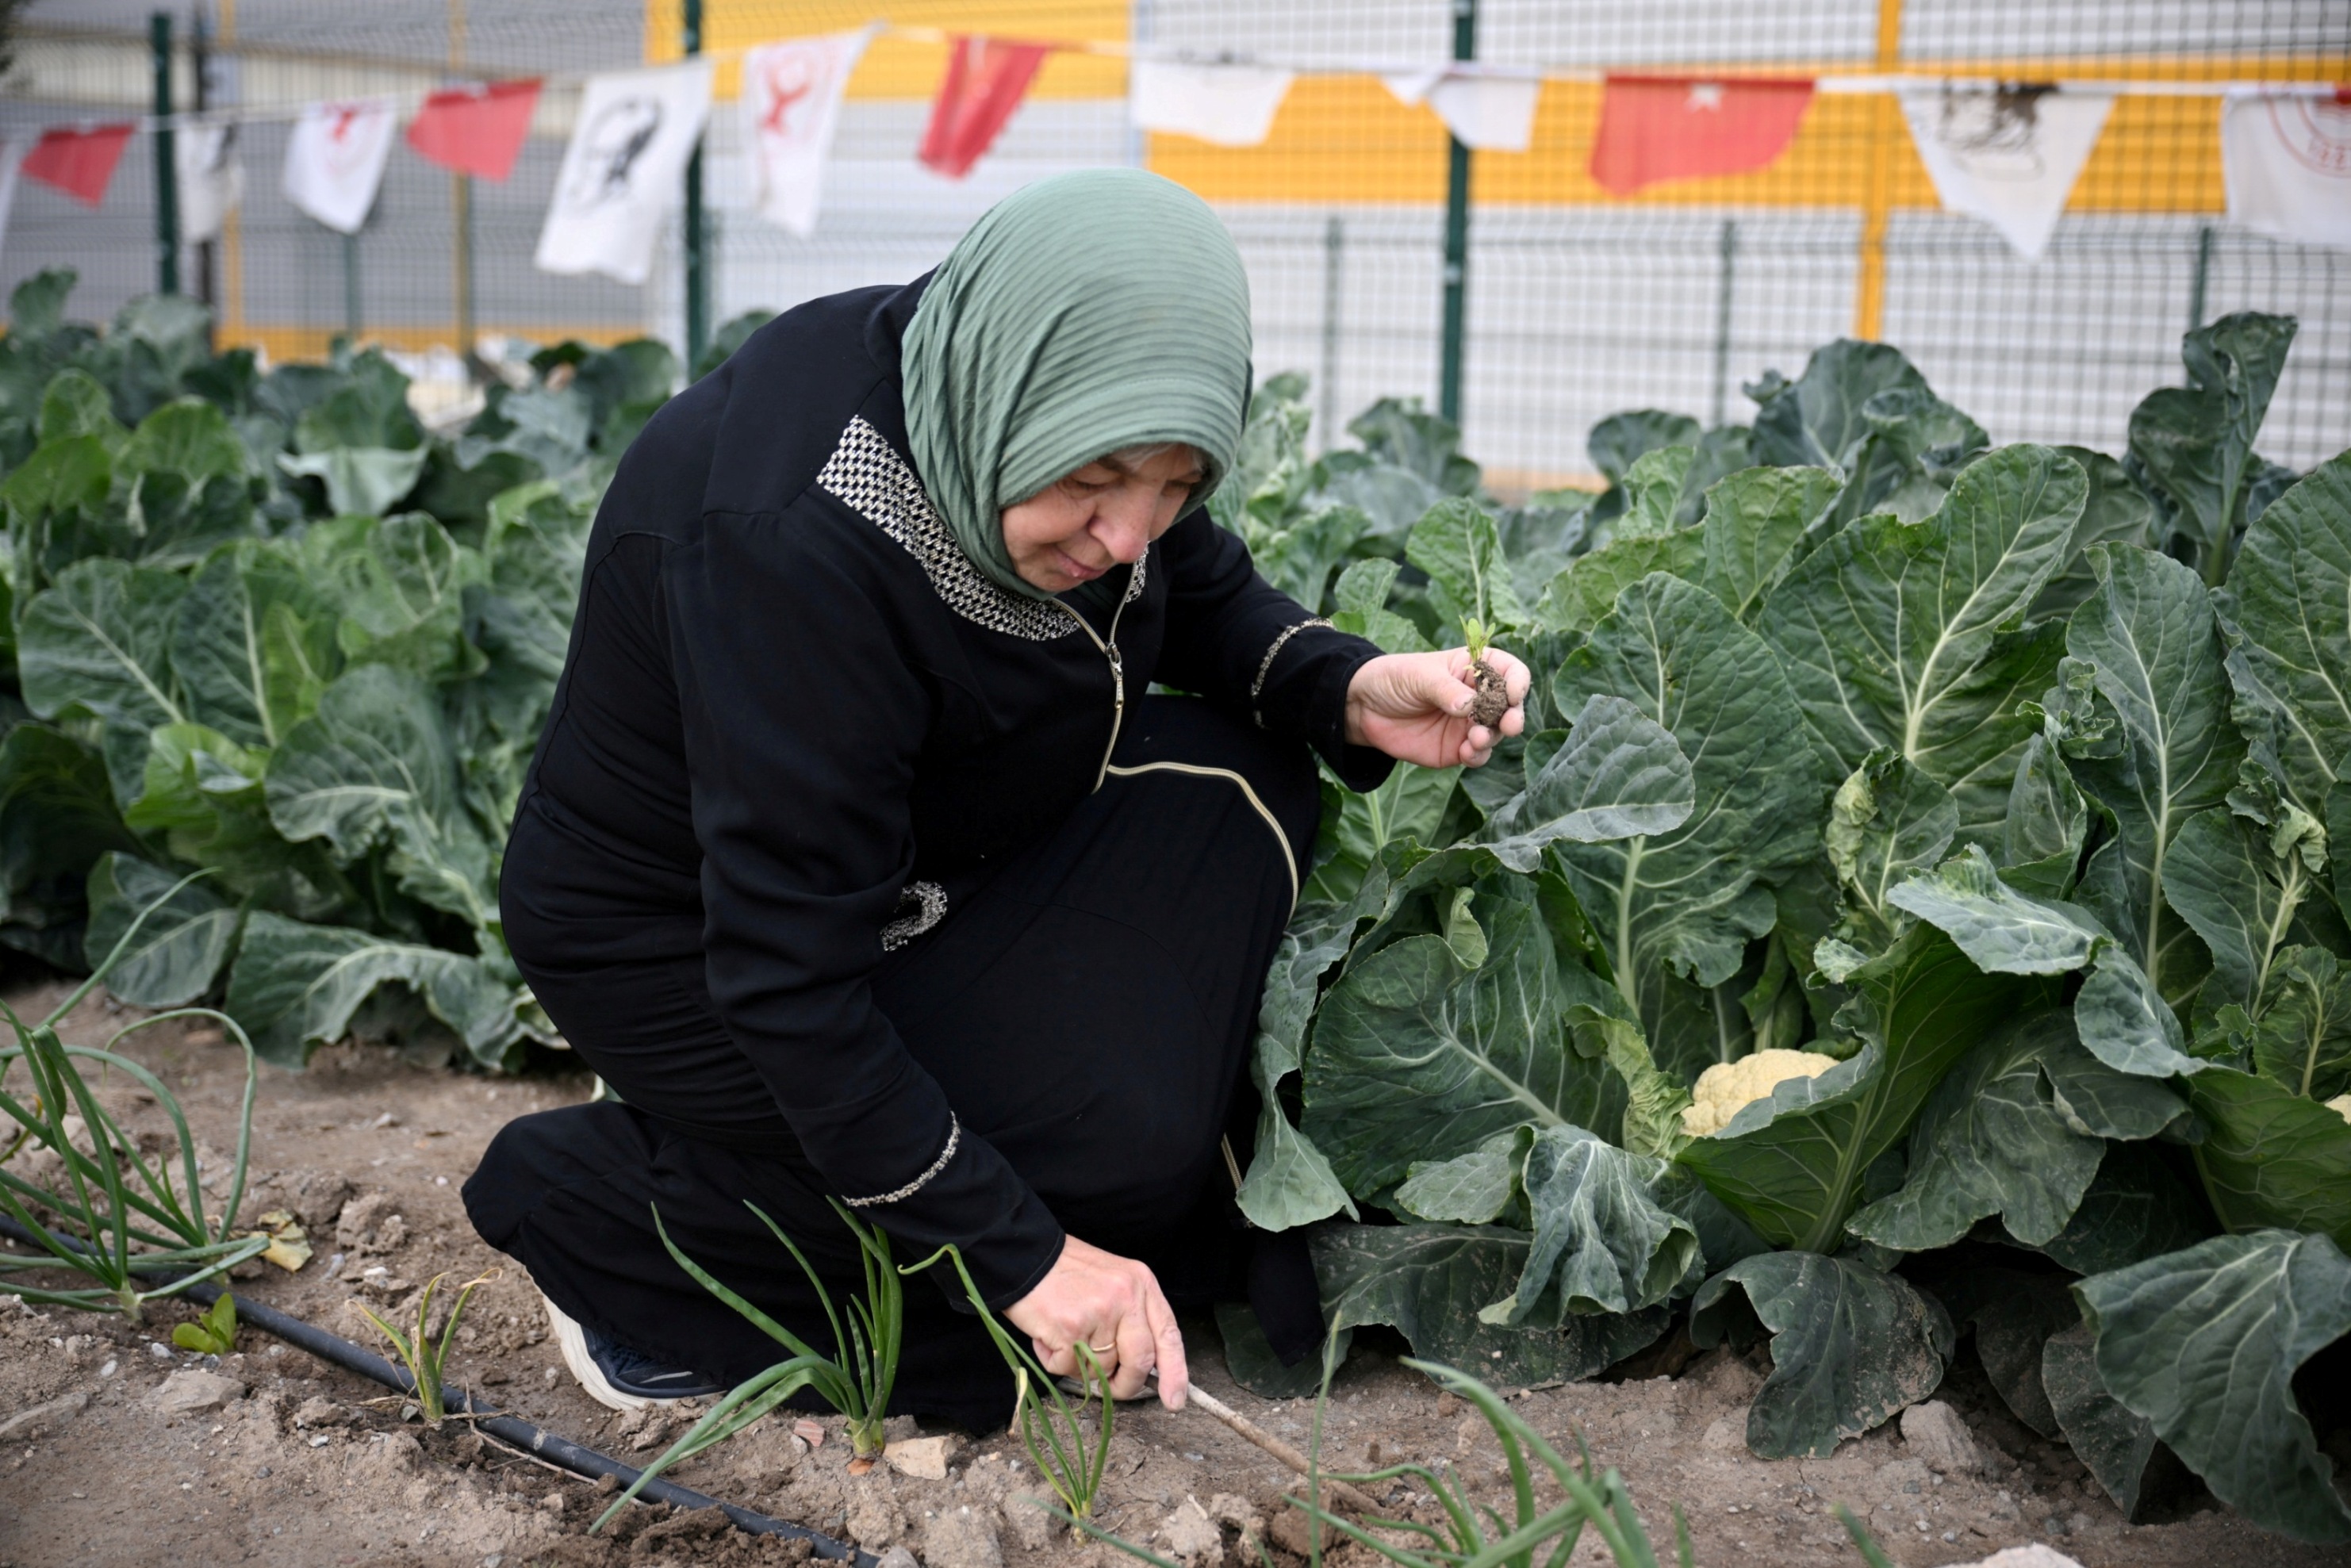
866 474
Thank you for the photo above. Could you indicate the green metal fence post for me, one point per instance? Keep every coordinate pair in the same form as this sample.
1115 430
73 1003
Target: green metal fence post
697 273
167 171
1456 229
1722 319
2199 277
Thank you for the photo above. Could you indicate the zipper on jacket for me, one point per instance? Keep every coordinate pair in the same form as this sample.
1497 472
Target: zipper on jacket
1117 682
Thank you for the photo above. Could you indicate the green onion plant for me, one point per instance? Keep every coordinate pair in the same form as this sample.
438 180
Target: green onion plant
115 1219
855 1380
1070 1462
423 1354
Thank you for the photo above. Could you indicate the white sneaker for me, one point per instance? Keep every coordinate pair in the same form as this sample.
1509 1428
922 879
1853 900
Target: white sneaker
572 1341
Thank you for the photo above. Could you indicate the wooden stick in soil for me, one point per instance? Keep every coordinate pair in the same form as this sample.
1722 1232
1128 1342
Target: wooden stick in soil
1335 1492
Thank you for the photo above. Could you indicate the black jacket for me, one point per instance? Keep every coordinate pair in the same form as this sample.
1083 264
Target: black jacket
789 696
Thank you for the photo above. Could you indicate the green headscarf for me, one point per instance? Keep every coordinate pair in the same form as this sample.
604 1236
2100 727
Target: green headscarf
1083 314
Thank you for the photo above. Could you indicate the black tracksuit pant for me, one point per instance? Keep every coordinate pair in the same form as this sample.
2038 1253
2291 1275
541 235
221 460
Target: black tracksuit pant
1088 1008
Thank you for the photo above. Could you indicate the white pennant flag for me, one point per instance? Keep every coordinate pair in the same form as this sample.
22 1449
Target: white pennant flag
1232 106
12 153
624 169
211 179
2008 156
334 161
1491 113
2287 164
791 105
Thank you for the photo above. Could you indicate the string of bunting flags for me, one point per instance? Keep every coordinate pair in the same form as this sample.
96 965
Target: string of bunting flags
2005 153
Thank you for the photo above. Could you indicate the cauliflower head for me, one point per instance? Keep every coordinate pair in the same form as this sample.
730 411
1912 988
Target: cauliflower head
1724 1087
2341 1107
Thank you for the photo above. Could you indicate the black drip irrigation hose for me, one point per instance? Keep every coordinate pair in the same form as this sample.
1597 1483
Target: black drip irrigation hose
535 1441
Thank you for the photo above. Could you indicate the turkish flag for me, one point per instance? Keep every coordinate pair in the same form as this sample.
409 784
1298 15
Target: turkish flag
79 162
1684 128
475 129
985 78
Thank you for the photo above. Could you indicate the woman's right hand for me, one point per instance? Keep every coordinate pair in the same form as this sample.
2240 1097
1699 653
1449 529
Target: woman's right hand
1114 1306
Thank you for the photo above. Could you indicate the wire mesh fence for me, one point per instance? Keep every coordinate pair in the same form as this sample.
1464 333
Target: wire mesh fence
1579 301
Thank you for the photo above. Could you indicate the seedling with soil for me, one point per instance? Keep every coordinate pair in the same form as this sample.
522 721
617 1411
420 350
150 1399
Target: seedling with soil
1070 1462
856 1380
117 1219
423 1356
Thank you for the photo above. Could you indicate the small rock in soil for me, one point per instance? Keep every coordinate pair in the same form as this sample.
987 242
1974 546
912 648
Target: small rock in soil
924 1458
1728 1433
898 1557
2033 1555
1938 1436
320 1411
962 1537
189 1392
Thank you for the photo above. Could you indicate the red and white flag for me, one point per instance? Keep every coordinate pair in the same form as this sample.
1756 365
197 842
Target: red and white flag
2287 163
791 107
477 130
1678 127
985 82
624 172
2007 155
80 162
334 161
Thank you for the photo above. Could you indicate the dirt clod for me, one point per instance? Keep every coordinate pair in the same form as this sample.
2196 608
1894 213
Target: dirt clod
1493 698
962 1537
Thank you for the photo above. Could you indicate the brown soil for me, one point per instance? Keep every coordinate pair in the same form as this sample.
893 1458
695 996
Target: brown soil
1493 698
312 1465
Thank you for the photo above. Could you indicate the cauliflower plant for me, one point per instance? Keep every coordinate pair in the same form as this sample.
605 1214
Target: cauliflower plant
1726 1086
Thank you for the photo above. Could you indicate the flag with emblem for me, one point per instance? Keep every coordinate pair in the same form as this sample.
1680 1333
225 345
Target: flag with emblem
334 161
792 107
2287 164
2008 155
624 170
1653 129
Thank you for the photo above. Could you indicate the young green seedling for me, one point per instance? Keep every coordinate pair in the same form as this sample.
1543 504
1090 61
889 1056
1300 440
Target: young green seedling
424 1356
856 1381
1070 1462
1493 699
117 1216
214 1333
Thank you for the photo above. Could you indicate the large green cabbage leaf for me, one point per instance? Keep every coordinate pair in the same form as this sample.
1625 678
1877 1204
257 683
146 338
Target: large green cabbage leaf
2203 1344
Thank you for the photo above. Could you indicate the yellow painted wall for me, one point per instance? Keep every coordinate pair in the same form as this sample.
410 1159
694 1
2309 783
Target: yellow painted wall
285 344
899 67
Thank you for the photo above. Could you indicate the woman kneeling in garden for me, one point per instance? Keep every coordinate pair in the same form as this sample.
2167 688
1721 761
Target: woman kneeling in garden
861 857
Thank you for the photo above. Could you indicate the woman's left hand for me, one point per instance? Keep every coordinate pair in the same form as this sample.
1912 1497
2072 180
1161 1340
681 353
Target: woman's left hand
1416 707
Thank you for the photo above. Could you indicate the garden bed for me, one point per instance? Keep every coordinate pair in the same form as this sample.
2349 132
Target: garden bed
313 1465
